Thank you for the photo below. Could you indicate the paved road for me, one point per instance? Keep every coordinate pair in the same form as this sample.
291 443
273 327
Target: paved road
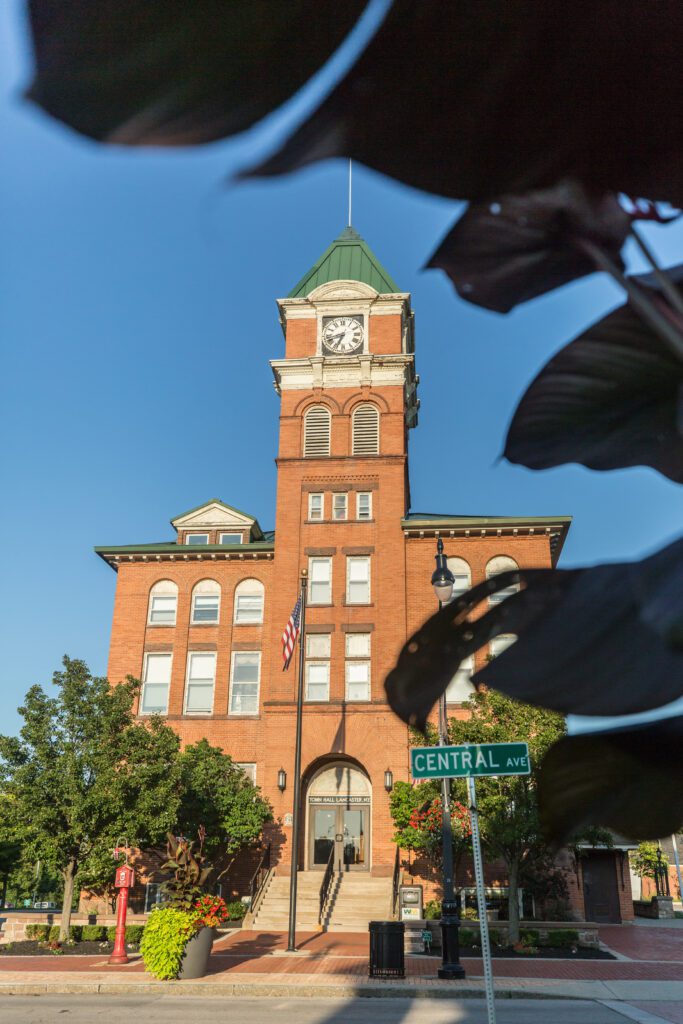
179 1010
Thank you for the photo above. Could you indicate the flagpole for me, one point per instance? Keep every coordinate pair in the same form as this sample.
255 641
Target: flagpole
296 821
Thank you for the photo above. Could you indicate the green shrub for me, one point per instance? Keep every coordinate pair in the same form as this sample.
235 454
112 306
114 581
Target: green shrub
529 936
54 933
495 937
93 933
469 914
468 937
76 933
134 933
111 933
237 910
563 938
41 932
432 910
163 942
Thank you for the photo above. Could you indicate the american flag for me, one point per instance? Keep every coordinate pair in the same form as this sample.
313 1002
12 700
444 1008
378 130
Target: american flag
290 634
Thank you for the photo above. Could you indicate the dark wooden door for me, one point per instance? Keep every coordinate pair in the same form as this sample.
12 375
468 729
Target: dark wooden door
600 892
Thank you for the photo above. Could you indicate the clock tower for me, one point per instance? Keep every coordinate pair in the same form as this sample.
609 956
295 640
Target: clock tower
347 388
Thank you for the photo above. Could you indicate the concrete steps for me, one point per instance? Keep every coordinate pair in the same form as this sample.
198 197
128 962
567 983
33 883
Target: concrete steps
355 899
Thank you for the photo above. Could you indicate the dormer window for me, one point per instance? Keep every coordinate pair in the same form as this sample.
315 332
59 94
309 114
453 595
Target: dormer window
196 538
230 538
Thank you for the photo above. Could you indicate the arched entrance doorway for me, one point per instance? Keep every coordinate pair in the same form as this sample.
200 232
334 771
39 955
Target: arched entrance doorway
338 798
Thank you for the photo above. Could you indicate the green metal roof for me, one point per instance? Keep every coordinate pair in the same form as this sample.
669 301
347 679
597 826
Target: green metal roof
349 258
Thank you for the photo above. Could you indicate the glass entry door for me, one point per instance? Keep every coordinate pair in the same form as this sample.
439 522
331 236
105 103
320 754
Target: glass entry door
344 829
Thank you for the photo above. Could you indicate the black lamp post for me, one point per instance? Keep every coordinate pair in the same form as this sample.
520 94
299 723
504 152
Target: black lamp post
451 968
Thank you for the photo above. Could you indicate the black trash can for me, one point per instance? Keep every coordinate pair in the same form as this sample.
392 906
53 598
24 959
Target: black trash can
387 959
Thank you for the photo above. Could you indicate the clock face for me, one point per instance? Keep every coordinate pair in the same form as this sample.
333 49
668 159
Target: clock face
343 335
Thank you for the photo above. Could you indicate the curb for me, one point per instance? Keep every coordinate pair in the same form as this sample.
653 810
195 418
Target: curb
250 991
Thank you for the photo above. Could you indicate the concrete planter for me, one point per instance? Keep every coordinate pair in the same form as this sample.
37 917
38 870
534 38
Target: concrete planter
196 956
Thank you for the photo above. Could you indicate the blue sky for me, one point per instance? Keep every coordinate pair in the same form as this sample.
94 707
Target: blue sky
136 324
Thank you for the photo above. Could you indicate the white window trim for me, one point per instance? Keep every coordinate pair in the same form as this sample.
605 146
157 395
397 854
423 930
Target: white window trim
311 560
230 533
165 654
213 622
315 662
311 496
247 764
357 657
187 684
356 558
236 597
242 714
345 506
365 519
202 533
155 625
357 700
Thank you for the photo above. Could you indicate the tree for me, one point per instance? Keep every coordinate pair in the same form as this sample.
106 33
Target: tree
645 861
416 812
508 806
82 773
217 796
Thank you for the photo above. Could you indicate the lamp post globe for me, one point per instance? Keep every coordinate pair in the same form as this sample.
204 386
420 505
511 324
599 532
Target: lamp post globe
442 577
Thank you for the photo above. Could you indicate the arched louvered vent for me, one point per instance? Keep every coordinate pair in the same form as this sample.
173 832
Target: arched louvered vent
316 432
366 430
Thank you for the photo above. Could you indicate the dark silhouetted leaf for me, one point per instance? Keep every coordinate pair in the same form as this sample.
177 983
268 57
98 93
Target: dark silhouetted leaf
628 779
611 398
177 72
520 246
595 641
478 100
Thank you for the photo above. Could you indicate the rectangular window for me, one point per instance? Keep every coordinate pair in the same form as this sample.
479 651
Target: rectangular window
317 680
155 686
249 770
196 538
316 506
201 674
358 580
358 680
318 645
230 538
249 608
320 576
244 682
162 609
357 645
364 505
205 607
460 688
154 896
340 504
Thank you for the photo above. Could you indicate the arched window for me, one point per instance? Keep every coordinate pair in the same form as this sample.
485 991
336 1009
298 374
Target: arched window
463 576
163 602
317 431
249 602
365 430
206 602
497 565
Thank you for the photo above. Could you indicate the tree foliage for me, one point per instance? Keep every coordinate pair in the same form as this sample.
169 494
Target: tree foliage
82 773
644 860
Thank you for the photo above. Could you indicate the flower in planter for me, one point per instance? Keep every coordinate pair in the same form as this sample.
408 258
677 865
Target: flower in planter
210 911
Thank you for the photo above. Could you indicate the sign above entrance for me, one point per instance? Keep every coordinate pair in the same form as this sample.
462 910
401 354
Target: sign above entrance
473 759
313 799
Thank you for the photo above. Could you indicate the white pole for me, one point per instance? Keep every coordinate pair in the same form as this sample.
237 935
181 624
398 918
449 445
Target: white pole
678 867
481 902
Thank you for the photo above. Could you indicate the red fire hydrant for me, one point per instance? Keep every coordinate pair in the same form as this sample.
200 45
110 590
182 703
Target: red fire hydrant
124 880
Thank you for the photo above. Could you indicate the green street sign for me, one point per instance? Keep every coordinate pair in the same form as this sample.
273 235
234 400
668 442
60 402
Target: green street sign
473 759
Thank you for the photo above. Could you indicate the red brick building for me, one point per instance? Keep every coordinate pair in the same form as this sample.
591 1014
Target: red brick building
199 618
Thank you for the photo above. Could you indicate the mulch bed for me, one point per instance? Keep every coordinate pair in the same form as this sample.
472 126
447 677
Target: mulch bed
31 947
544 953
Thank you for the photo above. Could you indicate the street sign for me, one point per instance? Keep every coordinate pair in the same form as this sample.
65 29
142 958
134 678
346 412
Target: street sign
471 759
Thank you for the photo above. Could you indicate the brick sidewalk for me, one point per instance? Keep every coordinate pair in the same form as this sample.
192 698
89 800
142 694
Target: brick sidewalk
345 957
